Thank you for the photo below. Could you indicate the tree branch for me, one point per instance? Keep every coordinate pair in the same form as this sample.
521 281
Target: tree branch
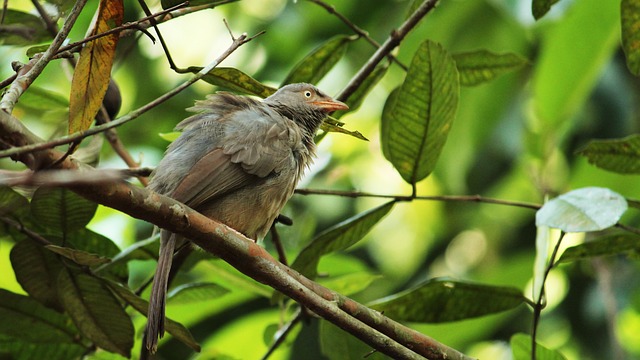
391 43
463 198
23 81
388 337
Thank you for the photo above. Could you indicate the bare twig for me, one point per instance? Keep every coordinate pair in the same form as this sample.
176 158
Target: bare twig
628 228
237 42
8 80
5 5
460 198
22 229
22 82
391 43
52 28
281 334
539 302
154 24
119 29
361 32
275 239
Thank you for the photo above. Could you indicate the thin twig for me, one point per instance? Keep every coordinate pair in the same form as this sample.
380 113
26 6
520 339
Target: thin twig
129 25
8 80
391 43
628 228
275 239
460 198
5 5
282 333
361 32
24 81
537 309
52 28
22 229
154 24
237 42
169 15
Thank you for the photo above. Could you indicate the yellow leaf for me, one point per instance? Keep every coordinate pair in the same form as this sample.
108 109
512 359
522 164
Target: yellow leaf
93 71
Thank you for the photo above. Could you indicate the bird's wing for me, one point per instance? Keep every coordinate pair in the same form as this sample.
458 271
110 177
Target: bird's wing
255 144
212 176
261 141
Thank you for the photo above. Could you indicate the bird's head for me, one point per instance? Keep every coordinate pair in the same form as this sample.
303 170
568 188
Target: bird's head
303 95
305 104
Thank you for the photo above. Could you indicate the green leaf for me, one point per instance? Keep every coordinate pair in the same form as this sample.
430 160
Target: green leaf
605 246
330 125
389 106
540 7
20 28
36 270
477 67
338 237
521 347
235 80
170 136
19 349
40 99
141 250
419 118
617 155
336 343
357 97
91 242
96 312
61 211
629 10
415 4
32 51
586 209
318 63
142 306
231 278
443 300
195 292
79 257
26 319
350 283
29 330
11 202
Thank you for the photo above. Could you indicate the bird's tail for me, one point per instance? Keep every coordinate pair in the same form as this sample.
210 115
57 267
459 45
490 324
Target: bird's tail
155 315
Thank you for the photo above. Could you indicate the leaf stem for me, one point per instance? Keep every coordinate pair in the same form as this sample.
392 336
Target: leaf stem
537 309
458 198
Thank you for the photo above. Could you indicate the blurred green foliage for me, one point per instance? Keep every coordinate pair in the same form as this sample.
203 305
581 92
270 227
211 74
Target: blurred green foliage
514 138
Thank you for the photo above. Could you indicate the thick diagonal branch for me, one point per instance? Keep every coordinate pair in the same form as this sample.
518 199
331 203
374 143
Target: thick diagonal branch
381 333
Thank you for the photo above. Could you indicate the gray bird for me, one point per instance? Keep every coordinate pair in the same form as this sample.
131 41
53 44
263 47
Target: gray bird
237 161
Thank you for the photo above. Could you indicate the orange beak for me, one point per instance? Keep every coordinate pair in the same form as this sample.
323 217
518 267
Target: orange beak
330 105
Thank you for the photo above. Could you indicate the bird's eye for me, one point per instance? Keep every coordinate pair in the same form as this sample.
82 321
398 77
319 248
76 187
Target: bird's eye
307 93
